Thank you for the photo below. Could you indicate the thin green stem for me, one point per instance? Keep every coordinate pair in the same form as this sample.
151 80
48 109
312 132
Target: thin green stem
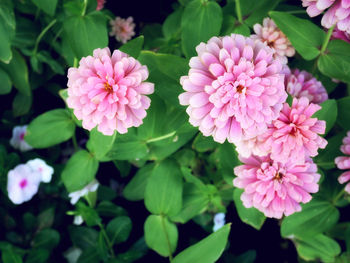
42 34
75 143
338 196
84 8
109 244
239 12
326 40
161 137
296 12
167 239
75 62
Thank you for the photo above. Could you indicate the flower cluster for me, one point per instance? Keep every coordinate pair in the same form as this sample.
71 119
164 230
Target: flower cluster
343 162
236 90
24 180
122 29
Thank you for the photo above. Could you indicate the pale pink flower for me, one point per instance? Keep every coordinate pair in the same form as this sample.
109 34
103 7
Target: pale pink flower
91 187
271 35
253 146
17 141
343 162
234 88
22 183
109 91
337 34
276 188
100 4
294 135
122 29
39 166
303 84
337 14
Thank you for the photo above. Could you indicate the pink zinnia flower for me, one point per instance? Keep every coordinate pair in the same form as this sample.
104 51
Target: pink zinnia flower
294 135
338 12
343 162
271 35
337 34
275 188
303 84
122 29
234 88
100 4
108 91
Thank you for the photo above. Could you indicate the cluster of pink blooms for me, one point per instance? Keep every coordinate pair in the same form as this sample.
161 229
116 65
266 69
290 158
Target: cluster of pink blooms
236 90
108 91
343 163
100 4
337 12
122 29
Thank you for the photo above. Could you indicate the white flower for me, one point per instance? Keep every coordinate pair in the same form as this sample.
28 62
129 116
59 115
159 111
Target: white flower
219 221
22 183
38 165
78 220
72 255
91 187
17 140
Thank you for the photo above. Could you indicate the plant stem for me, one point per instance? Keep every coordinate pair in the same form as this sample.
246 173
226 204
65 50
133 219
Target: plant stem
110 247
167 239
239 12
42 34
84 8
340 194
75 143
161 137
326 40
75 63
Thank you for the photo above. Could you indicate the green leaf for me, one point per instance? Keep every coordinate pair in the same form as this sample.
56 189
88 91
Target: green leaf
318 247
242 29
315 217
161 235
83 237
6 83
108 209
256 11
206 18
89 215
171 24
118 230
48 7
18 72
86 33
46 239
90 256
10 256
135 189
79 171
328 113
100 144
133 47
38 256
325 158
207 250
21 104
50 128
45 57
7 31
46 218
250 216
306 37
203 143
335 62
163 193
344 113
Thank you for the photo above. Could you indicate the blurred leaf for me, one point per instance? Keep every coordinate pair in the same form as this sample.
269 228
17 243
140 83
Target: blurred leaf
318 247
21 104
105 193
242 30
7 31
79 171
328 113
133 47
137 251
172 24
99 144
37 256
45 57
208 250
161 235
250 216
50 128
206 18
26 33
335 62
229 22
48 7
315 217
135 189
108 209
90 256
90 215
102 247
83 237
46 239
246 257
258 10
344 113
86 33
305 36
46 218
163 193
10 256
118 230
204 143
6 84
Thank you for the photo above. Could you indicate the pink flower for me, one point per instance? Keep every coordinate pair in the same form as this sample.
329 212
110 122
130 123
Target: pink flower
122 29
22 183
234 88
343 162
294 135
108 91
270 34
17 141
275 188
337 34
338 12
100 4
303 84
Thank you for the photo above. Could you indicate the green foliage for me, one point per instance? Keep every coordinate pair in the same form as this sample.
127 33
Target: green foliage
133 47
99 144
344 113
118 229
48 7
328 113
6 83
7 31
